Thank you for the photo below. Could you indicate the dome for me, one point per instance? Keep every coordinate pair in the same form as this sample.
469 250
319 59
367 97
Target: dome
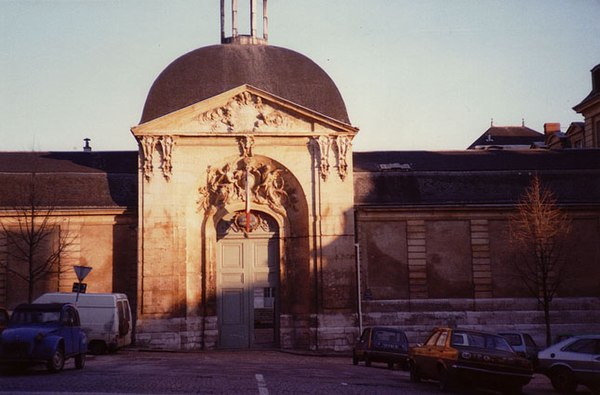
209 71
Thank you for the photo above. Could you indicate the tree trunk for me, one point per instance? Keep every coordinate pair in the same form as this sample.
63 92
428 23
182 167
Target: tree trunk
547 322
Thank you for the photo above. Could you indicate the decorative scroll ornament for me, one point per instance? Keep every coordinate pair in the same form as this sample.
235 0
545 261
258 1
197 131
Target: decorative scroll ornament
164 146
246 144
244 113
148 144
323 143
245 181
342 143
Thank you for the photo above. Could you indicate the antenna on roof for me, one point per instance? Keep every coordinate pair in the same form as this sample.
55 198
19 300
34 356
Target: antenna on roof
523 122
87 147
492 122
251 38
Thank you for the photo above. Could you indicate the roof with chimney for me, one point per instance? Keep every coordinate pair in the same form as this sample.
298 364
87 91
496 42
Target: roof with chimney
382 178
508 137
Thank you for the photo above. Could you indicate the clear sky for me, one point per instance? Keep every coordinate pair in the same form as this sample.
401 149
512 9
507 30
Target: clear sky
426 74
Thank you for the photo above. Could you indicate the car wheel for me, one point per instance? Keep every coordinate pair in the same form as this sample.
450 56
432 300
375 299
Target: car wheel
415 376
445 383
97 347
562 380
367 360
57 362
80 361
517 390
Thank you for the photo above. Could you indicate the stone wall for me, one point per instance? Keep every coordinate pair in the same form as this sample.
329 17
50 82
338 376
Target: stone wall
418 317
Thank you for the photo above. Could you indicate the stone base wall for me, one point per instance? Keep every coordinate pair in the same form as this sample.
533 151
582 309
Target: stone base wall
418 317
192 333
338 332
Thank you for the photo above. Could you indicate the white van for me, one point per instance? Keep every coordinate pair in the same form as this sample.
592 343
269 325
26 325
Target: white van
105 318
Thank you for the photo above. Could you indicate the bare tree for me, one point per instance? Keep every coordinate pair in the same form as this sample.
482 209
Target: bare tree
538 232
35 240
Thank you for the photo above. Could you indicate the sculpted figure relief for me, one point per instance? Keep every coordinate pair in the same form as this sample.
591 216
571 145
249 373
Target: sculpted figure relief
244 113
227 184
270 188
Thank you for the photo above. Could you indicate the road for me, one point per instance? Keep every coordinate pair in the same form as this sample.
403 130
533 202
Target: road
225 372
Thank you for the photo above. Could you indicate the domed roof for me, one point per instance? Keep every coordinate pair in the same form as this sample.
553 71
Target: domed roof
209 71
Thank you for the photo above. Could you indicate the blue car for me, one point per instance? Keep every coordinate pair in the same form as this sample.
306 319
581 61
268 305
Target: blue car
44 333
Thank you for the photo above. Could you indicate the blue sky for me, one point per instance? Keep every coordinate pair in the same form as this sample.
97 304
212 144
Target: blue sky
427 74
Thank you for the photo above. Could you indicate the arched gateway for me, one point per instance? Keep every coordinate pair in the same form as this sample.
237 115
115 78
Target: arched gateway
246 221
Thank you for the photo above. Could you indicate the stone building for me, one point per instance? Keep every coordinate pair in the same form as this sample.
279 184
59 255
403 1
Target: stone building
245 220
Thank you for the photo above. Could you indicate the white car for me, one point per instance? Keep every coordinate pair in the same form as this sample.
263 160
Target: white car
571 362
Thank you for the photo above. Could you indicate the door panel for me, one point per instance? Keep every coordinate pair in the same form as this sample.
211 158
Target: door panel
233 311
248 285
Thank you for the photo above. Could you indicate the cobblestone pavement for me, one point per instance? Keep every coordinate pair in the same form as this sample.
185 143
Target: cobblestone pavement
225 372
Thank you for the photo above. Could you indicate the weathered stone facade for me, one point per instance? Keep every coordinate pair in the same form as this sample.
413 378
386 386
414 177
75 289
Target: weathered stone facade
244 149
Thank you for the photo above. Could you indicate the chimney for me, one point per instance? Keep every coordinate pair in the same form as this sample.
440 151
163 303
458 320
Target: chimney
87 147
551 128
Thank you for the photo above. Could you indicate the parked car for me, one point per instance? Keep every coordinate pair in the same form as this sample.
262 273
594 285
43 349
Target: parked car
380 344
3 318
523 344
105 318
43 333
469 358
573 361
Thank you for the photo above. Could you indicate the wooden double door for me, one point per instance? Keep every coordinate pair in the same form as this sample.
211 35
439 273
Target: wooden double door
248 287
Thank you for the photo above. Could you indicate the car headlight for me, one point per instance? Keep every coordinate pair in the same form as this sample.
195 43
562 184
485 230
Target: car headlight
466 355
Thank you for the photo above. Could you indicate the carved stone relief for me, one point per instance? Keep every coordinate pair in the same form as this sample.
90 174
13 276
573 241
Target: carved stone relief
148 144
247 180
246 144
324 146
322 149
164 146
245 113
237 223
342 143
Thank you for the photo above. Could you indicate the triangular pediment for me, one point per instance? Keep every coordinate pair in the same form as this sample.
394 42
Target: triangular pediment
243 110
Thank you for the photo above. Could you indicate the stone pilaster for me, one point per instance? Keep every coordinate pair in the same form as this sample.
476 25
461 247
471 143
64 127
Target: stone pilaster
480 253
70 257
417 261
3 269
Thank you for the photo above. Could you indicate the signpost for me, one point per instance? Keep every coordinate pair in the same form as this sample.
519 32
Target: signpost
81 272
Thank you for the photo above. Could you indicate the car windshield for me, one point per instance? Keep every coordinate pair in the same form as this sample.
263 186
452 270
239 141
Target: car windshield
480 340
389 338
20 317
512 338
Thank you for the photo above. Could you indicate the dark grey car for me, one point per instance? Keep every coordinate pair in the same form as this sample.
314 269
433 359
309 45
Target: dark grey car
381 344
